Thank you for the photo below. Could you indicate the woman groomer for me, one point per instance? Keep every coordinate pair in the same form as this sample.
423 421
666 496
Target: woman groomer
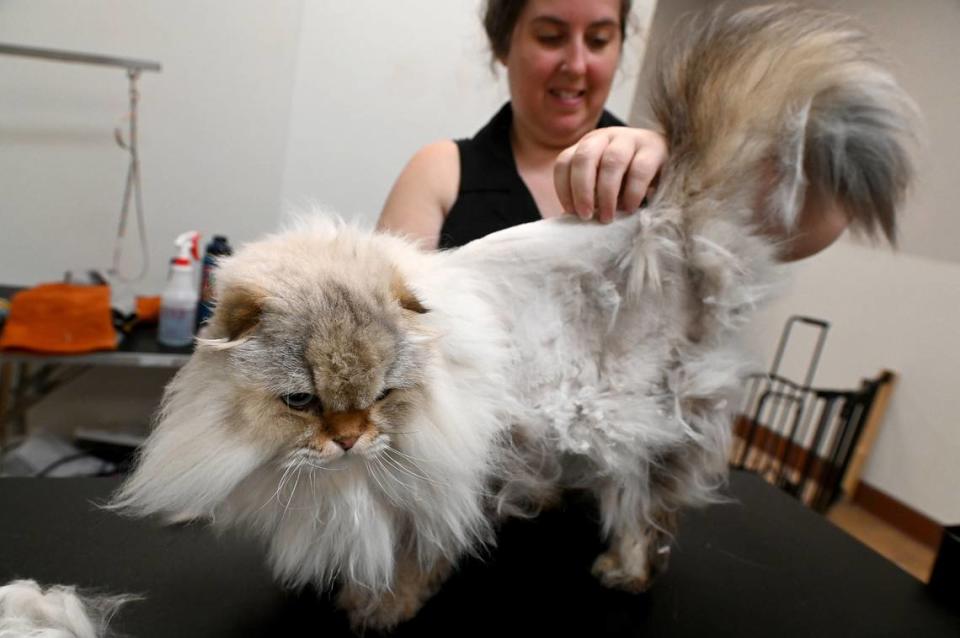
553 149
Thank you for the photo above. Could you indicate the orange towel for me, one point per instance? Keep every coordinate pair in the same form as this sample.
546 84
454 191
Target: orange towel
60 318
148 309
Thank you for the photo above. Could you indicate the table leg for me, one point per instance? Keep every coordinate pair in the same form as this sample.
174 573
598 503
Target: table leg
17 411
6 374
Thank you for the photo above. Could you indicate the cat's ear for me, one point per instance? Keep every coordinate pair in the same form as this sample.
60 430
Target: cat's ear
405 297
237 313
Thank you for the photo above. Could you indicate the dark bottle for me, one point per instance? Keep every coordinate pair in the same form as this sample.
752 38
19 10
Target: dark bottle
218 247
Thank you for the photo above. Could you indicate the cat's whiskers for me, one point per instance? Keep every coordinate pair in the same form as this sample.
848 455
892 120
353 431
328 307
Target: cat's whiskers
325 468
414 462
375 470
288 467
482 491
397 463
293 491
293 463
312 458
376 445
312 477
413 459
390 473
406 488
373 475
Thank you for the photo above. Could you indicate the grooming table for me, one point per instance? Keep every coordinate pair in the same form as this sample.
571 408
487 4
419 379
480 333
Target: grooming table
762 565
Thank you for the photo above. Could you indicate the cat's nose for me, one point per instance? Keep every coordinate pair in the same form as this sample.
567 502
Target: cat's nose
346 442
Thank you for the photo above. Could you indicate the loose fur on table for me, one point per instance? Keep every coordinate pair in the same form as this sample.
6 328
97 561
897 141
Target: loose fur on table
28 610
371 410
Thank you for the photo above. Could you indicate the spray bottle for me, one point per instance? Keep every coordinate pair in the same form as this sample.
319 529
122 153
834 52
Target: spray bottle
178 304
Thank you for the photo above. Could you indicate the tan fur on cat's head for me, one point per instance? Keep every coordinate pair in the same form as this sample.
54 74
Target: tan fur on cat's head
338 406
337 360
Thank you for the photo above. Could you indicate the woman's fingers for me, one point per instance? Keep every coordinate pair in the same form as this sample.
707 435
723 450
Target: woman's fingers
583 173
561 178
639 178
607 170
612 167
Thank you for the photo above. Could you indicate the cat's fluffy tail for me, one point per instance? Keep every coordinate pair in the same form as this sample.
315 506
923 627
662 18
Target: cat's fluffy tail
762 104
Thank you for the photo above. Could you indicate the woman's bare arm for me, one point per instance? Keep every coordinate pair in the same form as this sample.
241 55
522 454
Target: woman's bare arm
423 194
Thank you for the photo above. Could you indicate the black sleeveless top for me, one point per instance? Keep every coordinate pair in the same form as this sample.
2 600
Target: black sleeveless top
492 194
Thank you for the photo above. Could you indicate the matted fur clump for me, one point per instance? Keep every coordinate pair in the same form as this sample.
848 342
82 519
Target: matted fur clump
29 610
371 410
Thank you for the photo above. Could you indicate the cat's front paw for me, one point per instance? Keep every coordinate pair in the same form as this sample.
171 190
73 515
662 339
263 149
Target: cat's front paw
609 569
367 611
633 573
383 617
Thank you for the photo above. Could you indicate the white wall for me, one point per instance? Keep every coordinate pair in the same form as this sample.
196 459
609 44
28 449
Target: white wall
213 127
891 311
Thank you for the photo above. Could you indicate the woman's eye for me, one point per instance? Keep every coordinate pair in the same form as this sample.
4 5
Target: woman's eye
383 395
550 39
299 400
598 43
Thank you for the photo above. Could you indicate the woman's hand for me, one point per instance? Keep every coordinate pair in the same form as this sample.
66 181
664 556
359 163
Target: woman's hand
609 169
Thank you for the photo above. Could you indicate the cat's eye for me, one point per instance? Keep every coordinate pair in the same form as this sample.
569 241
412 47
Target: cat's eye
299 400
383 395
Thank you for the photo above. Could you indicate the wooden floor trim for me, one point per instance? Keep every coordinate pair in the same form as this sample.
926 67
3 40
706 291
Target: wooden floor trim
895 513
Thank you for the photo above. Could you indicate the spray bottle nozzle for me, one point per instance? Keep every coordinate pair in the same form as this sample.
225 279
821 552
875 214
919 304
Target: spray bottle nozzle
187 248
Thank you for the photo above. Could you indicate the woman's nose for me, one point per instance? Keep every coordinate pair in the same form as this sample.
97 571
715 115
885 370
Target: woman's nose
575 57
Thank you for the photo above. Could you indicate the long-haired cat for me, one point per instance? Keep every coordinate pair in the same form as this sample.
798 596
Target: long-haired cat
371 410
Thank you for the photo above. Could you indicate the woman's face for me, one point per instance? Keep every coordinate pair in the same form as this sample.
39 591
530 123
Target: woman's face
562 59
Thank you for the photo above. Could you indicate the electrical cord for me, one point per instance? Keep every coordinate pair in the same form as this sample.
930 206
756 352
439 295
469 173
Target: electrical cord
62 461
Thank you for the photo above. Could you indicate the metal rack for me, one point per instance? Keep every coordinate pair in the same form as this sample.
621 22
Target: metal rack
57 55
782 394
132 189
52 372
810 442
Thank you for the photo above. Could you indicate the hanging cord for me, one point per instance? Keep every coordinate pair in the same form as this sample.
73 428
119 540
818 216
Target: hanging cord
132 189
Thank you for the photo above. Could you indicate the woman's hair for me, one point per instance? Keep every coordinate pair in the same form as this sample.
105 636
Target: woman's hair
500 17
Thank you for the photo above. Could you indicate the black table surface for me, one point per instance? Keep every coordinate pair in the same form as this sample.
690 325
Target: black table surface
762 565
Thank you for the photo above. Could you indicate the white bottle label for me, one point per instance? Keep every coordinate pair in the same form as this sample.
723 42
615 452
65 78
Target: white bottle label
176 325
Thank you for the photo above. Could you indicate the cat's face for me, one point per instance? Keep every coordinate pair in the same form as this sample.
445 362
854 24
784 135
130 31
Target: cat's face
325 368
